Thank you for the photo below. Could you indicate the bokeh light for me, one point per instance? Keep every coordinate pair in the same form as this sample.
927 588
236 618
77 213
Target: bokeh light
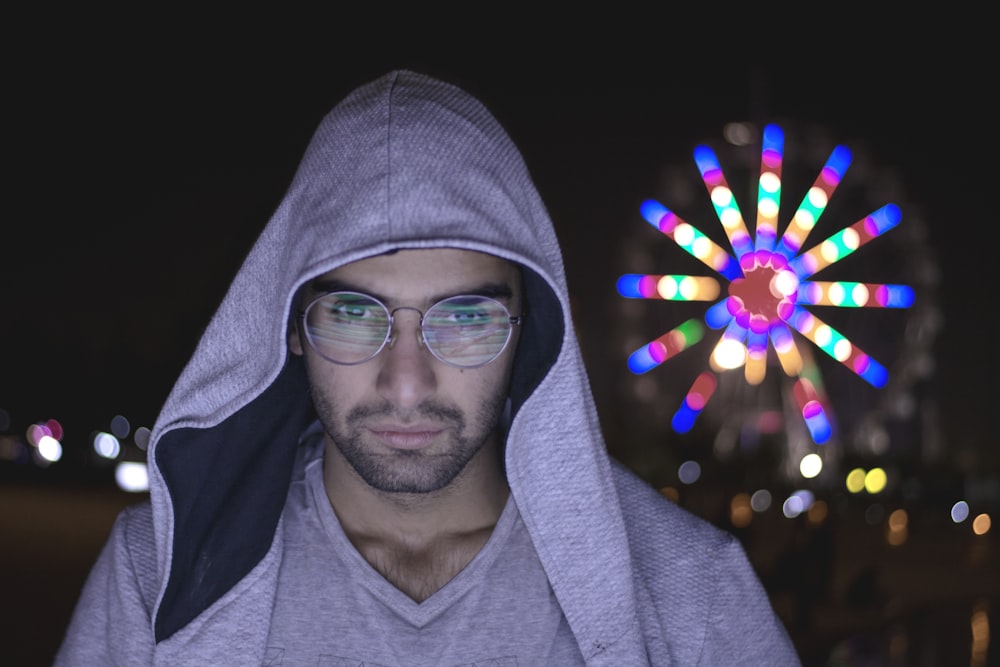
811 465
798 502
49 449
761 500
740 510
981 524
875 480
106 445
689 472
132 477
855 480
142 437
897 529
120 427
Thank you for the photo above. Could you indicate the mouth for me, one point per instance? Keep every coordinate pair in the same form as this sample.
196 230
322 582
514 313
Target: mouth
408 437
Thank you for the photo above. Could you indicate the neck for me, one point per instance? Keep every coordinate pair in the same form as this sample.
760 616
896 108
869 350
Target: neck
470 504
419 542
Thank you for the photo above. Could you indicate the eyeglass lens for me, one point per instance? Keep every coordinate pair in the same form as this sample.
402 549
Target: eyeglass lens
466 331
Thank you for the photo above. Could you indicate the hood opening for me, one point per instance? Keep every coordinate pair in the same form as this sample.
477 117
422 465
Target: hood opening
228 485
541 338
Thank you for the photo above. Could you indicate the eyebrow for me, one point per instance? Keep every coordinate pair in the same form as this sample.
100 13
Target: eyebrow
490 289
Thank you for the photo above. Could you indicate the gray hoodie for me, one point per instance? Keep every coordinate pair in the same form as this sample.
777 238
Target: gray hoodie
190 577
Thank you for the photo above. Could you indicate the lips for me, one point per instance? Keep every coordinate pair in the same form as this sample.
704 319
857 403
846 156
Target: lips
405 437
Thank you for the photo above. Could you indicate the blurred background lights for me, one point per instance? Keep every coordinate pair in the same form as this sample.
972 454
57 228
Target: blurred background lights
49 449
960 511
810 465
740 510
875 480
855 480
760 501
51 428
107 445
142 438
797 503
132 477
689 472
728 354
897 527
120 427
817 512
981 524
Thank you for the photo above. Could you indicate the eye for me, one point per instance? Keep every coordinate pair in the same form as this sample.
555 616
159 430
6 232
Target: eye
353 307
467 315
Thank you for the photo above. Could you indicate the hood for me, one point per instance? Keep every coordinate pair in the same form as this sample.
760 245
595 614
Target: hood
405 161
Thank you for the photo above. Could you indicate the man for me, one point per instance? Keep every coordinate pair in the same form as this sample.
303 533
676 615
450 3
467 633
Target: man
445 497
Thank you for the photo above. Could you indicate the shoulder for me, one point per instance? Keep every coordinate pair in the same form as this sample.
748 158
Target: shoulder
134 537
651 517
700 599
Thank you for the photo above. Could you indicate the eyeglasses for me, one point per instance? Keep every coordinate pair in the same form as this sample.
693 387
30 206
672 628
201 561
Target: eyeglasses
350 328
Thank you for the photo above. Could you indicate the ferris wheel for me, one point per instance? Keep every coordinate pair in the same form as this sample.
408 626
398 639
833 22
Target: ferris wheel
809 325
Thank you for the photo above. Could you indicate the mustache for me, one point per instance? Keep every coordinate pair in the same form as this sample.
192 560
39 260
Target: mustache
428 410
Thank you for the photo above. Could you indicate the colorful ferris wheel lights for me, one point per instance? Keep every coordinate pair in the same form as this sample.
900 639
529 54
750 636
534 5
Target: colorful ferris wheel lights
668 287
846 294
815 201
690 239
694 402
846 241
673 342
768 288
769 187
726 208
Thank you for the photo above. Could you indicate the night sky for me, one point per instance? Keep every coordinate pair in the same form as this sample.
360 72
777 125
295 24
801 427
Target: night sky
140 167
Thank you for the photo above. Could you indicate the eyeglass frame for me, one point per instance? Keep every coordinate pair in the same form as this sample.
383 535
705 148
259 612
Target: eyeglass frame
512 321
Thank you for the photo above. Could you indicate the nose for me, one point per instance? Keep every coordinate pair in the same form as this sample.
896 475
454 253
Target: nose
407 375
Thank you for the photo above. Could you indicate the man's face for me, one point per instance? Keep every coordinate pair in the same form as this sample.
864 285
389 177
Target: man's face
404 420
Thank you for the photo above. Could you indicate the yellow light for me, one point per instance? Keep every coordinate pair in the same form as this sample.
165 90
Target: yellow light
875 480
855 481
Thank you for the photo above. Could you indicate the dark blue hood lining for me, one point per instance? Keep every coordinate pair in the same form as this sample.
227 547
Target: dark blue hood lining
228 485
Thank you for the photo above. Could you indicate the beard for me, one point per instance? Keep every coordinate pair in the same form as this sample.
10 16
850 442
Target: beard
409 471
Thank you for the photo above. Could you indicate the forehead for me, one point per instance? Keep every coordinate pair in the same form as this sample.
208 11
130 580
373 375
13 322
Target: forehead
425 274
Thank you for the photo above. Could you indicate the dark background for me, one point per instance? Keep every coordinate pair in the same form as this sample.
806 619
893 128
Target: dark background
143 156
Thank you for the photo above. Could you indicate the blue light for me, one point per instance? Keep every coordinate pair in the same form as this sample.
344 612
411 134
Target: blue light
717 315
875 373
652 210
629 285
684 418
641 361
